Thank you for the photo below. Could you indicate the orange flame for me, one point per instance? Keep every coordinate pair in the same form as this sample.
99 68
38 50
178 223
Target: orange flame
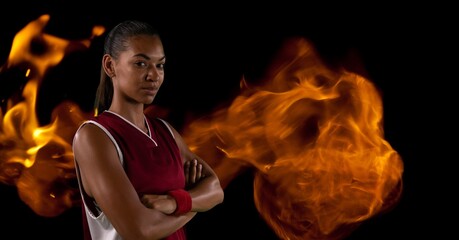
316 141
39 159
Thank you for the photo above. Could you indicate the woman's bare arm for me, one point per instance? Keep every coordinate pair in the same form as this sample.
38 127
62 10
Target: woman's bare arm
207 192
104 178
167 204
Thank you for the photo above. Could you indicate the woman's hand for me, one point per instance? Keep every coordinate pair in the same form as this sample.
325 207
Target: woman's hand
163 203
167 204
193 173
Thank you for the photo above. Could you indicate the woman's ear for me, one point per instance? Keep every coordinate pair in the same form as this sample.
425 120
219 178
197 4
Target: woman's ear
107 63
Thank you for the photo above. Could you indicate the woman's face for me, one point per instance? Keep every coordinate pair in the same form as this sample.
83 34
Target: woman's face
139 71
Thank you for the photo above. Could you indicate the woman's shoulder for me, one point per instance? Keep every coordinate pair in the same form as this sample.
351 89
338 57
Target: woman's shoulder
89 127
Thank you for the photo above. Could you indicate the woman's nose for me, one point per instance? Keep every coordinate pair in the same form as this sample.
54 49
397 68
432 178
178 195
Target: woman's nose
153 74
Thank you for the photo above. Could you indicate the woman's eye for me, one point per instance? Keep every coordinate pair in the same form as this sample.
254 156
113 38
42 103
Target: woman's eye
140 64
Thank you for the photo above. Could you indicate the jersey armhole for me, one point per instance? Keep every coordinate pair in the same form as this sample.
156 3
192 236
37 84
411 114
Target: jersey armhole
168 127
90 202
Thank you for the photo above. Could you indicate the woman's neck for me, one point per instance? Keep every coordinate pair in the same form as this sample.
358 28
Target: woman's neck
133 114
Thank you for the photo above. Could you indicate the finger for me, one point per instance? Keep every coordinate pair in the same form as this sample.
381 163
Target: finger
199 171
194 171
187 171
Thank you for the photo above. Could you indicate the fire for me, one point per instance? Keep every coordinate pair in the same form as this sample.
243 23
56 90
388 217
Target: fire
315 139
313 135
39 159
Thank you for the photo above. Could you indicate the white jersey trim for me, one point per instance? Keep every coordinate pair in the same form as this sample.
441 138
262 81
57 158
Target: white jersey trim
100 226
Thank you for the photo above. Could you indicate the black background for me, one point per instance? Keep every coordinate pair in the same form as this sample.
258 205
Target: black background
407 51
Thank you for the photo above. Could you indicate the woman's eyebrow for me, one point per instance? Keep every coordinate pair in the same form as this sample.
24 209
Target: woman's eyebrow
147 57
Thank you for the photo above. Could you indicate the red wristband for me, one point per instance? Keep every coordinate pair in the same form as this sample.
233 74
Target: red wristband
183 200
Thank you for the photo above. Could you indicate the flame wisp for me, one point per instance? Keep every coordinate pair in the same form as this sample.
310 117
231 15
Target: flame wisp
39 159
315 139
